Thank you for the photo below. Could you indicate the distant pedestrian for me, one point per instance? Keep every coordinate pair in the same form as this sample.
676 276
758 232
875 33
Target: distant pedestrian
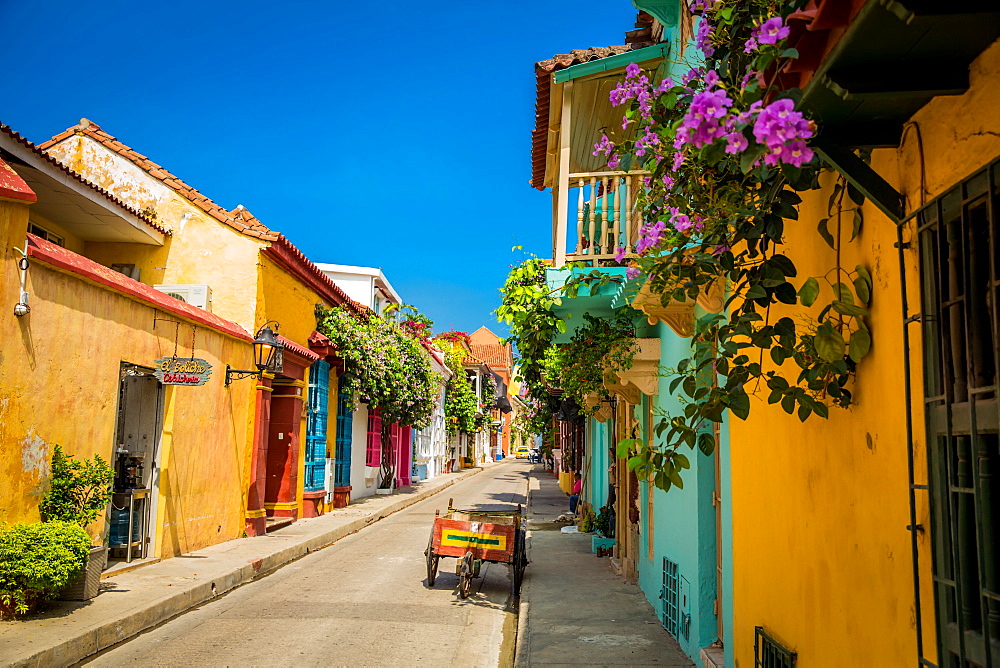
574 498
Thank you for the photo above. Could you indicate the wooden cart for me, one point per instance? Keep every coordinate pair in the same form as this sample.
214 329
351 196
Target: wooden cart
472 537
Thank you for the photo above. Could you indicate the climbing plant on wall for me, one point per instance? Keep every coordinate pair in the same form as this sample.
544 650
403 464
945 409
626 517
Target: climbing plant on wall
389 371
728 151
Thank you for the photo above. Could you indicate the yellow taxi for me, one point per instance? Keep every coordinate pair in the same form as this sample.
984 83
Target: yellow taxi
522 452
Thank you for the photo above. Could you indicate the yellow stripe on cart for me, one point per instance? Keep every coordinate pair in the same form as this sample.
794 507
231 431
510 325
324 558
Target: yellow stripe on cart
486 541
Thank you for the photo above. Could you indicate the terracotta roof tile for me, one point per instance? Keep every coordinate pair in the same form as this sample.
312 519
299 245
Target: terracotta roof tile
40 151
494 355
89 129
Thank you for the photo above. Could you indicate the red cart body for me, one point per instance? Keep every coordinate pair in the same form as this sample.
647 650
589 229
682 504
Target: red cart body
486 541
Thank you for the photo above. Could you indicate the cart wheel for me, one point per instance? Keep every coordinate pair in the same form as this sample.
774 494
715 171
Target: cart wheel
517 565
432 567
465 576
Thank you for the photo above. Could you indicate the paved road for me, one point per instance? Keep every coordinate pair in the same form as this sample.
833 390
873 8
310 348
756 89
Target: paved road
361 601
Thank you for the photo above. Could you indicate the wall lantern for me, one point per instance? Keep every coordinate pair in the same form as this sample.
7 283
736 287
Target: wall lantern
265 346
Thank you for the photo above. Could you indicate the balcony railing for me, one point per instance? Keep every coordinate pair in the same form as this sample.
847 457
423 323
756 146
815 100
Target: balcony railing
607 217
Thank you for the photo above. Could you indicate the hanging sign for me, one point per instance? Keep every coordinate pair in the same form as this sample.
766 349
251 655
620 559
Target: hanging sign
182 371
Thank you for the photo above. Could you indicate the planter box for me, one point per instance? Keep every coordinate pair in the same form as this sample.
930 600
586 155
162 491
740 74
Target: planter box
600 541
86 585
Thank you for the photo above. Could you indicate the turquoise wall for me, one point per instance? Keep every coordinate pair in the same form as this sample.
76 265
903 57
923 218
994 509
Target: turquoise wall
595 472
683 523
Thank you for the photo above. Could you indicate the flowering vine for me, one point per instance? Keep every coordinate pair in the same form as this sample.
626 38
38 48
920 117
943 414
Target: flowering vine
388 370
728 151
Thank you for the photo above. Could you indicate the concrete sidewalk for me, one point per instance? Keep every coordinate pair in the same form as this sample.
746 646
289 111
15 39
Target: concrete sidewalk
136 600
574 609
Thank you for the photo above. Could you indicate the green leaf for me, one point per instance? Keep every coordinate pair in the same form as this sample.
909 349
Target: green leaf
750 156
848 309
843 293
739 404
830 347
756 291
825 233
561 326
635 462
809 291
856 195
789 53
681 460
861 343
856 224
861 287
624 446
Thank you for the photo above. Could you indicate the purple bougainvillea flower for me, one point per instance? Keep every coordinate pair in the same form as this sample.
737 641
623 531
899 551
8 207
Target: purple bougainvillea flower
703 39
668 181
711 79
678 161
633 71
736 142
772 30
664 86
632 272
751 45
620 254
681 222
796 153
691 75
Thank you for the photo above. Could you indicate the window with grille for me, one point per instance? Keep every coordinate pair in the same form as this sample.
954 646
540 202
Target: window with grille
373 449
959 243
671 595
768 653
345 431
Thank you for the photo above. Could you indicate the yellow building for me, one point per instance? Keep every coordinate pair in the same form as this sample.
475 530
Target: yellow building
859 540
254 276
80 353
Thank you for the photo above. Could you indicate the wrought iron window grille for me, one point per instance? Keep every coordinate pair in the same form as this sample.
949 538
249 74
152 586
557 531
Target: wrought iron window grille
768 652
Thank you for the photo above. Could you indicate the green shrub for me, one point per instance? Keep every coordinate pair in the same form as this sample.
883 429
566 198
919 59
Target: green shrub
39 560
79 491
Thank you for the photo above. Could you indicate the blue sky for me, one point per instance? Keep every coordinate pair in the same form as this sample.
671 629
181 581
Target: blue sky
392 134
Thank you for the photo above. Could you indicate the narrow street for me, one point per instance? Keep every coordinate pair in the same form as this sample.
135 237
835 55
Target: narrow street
361 601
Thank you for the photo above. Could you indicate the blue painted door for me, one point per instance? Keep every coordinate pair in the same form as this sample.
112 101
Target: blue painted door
319 398
345 429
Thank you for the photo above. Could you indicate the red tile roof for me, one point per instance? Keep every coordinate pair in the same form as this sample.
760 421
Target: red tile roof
12 186
40 152
635 39
70 262
496 357
244 223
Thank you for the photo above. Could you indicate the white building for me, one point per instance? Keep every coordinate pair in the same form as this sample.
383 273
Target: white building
423 452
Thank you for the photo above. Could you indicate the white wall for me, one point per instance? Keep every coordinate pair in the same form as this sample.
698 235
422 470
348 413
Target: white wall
364 479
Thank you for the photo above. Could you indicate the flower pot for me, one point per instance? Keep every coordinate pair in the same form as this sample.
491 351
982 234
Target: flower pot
86 585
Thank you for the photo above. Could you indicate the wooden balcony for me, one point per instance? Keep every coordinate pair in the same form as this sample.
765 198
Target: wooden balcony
607 216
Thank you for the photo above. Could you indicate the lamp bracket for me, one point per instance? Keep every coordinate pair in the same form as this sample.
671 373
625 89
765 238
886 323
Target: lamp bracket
239 374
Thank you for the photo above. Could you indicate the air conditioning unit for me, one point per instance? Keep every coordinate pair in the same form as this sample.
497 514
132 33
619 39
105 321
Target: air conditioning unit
195 295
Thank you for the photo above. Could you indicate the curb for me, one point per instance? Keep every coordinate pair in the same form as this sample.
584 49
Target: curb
157 611
521 653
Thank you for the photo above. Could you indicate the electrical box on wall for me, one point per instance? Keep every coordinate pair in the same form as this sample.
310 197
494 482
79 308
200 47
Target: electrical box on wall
195 295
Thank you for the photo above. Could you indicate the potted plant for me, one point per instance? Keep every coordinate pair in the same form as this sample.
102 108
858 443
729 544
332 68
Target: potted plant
38 561
79 491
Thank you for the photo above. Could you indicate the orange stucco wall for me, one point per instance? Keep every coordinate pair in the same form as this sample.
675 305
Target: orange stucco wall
59 381
820 548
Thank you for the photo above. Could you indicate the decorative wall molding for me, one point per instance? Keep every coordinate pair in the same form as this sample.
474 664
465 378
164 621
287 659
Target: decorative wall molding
678 316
